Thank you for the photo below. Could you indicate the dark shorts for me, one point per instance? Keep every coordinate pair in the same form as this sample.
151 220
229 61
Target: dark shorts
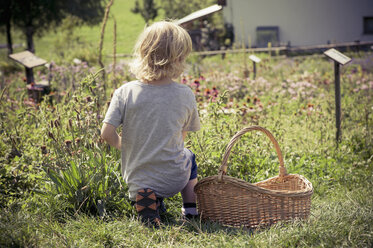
193 172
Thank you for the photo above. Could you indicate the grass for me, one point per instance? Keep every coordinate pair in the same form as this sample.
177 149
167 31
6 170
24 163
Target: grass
129 26
343 218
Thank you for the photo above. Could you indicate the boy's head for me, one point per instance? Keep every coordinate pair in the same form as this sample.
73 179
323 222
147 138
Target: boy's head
160 52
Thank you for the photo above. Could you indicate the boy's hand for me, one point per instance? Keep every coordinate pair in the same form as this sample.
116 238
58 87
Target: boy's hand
109 134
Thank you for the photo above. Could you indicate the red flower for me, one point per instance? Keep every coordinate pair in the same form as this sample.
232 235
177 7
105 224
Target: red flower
184 80
215 92
207 92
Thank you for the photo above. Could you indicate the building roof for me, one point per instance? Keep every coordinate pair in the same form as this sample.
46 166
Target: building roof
199 14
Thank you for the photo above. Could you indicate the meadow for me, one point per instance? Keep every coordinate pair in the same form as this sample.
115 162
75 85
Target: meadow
60 184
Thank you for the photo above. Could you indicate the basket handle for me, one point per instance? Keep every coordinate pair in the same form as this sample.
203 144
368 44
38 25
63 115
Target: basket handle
224 166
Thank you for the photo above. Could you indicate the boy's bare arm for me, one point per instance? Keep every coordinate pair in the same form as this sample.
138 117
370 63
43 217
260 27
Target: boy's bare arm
184 134
109 134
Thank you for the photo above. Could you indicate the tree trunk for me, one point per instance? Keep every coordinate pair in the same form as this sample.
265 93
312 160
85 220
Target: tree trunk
8 17
29 37
9 37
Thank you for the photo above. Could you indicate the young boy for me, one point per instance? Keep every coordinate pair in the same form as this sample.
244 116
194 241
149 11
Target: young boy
156 113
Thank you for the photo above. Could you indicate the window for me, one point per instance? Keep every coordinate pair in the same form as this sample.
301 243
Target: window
267 34
368 25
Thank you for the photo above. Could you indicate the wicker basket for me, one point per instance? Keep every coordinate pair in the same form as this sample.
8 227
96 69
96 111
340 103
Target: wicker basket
235 202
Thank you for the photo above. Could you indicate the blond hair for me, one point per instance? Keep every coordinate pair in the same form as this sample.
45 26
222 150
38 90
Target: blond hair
161 51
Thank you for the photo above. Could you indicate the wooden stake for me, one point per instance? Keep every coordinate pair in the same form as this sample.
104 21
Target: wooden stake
337 100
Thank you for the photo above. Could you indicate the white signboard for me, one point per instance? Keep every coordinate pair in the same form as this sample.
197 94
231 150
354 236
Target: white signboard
337 56
254 58
27 59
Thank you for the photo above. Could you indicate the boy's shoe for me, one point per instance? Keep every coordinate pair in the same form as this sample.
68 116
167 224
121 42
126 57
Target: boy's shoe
147 207
189 211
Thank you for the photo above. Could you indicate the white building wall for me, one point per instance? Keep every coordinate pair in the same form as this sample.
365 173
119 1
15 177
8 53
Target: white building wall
302 22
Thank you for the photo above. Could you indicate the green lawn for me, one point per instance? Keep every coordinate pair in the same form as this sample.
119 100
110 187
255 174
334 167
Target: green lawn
343 219
129 26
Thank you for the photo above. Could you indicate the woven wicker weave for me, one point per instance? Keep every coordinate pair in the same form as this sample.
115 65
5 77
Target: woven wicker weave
235 202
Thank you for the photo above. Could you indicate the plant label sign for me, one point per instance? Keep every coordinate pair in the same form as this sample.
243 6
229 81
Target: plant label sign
339 59
27 59
254 58
337 56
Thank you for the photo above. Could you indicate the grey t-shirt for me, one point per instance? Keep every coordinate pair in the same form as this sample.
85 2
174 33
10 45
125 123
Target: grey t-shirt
153 118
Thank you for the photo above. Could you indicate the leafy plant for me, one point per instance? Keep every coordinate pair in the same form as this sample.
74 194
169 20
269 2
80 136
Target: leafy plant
92 185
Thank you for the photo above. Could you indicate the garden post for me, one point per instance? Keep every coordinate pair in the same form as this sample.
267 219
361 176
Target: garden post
29 75
339 59
337 101
254 69
255 60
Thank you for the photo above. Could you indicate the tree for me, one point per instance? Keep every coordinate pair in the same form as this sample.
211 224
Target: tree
5 20
148 10
37 16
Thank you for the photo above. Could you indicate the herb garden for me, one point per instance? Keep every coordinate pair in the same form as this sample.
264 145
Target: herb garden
60 185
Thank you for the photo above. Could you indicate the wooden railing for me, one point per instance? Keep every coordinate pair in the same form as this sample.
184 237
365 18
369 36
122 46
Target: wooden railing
280 49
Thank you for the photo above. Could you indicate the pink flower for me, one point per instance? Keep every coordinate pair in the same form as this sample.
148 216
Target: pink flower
364 87
196 83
